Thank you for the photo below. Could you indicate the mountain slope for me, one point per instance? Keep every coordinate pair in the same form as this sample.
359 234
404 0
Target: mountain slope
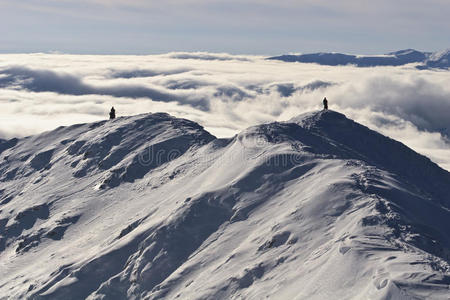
152 207
438 60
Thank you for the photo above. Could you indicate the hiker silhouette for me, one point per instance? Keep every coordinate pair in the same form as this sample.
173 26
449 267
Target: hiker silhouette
325 103
112 113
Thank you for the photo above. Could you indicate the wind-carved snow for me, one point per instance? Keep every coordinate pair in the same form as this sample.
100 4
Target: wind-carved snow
153 207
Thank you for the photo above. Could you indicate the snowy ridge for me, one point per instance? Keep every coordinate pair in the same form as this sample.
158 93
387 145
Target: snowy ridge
152 207
361 143
439 59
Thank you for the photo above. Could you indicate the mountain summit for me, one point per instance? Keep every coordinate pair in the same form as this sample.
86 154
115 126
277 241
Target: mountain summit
153 207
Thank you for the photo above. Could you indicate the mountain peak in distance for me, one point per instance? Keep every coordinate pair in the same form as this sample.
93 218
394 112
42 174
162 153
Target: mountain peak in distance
422 60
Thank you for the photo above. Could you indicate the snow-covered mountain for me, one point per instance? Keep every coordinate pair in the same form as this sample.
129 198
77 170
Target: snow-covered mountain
438 60
424 60
155 207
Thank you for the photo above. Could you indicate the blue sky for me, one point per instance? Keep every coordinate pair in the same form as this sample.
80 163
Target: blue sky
240 27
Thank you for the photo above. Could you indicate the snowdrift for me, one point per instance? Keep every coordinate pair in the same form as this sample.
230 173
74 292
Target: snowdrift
155 207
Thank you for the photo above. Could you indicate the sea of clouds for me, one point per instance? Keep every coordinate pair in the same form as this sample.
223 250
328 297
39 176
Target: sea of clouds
224 93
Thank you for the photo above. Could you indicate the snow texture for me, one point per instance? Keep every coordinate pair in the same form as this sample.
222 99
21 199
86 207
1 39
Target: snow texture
155 207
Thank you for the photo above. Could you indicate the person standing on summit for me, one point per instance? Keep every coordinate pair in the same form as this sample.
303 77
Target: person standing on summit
325 103
112 113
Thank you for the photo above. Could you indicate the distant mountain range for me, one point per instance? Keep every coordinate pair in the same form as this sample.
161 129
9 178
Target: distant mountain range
424 60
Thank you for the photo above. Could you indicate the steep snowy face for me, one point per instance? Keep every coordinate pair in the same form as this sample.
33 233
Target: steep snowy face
439 60
152 207
116 146
352 140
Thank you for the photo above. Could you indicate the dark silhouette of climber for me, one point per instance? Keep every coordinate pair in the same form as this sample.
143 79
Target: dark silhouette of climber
325 103
112 113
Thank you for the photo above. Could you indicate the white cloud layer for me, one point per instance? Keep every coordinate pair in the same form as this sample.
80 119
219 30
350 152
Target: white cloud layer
224 93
